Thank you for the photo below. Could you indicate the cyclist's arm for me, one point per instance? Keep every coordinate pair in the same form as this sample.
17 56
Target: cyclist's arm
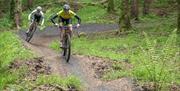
79 19
29 17
54 17
42 18
76 16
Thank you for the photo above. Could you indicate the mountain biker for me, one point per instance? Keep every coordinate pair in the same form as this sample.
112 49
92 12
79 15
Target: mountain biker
65 18
36 15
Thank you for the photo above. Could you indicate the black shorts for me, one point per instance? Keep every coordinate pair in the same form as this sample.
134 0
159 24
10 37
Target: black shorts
36 20
65 21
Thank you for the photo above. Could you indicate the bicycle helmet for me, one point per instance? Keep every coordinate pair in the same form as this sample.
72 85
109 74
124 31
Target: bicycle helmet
66 7
39 8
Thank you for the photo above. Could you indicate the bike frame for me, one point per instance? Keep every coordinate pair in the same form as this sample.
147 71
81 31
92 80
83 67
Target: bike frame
66 29
33 25
32 29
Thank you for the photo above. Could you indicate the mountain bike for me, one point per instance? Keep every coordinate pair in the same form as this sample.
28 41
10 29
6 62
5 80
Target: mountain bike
32 29
67 43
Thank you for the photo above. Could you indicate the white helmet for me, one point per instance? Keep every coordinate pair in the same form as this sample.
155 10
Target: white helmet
39 8
66 7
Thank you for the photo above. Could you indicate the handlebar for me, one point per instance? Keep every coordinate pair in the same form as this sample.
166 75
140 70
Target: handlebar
66 27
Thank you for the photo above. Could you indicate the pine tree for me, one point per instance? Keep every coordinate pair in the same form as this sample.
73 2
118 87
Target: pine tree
15 12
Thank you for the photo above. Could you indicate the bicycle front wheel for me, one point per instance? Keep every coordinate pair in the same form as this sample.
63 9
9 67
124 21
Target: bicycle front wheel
31 33
67 47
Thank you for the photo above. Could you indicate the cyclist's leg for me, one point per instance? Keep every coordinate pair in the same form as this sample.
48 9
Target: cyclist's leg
62 31
30 25
37 23
69 22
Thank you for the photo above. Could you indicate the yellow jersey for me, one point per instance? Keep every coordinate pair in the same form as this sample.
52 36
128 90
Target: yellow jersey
64 15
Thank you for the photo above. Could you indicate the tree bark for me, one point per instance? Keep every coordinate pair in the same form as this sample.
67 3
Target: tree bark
4 7
30 3
110 7
12 7
146 7
18 13
124 19
15 12
178 19
135 9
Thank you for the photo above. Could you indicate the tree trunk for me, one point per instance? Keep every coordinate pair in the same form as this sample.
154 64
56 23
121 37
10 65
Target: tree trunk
12 8
134 9
18 12
146 7
15 12
30 3
124 19
178 19
110 7
4 7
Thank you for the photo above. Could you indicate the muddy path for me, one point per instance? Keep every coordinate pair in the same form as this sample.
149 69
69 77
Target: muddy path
79 66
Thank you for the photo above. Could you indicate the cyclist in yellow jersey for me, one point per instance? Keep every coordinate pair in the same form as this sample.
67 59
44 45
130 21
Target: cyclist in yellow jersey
65 18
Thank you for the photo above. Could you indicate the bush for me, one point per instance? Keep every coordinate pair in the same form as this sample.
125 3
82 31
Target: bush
158 64
5 24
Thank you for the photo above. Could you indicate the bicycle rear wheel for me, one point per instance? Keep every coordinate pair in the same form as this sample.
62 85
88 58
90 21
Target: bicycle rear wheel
67 48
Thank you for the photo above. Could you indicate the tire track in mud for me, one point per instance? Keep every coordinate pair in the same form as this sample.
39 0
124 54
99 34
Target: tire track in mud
78 66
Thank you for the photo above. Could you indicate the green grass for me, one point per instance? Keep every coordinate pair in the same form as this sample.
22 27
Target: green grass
111 48
55 45
64 82
92 14
7 78
10 77
86 1
115 74
158 63
156 27
11 48
5 23
53 80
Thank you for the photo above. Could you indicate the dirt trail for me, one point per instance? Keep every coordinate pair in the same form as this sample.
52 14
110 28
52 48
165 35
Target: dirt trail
79 66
